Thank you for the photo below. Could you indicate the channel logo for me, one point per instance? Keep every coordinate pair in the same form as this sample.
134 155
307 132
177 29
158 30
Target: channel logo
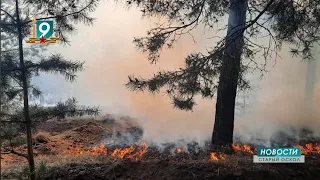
279 155
42 31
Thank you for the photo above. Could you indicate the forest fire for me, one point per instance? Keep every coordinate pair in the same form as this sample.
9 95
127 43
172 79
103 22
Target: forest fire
137 152
244 148
121 153
179 149
216 157
99 150
76 151
309 148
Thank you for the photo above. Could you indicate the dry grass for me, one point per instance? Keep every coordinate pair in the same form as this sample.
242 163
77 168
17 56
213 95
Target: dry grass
234 166
232 161
74 134
42 137
53 161
20 170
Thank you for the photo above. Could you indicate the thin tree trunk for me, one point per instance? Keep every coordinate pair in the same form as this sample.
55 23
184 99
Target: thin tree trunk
0 95
25 97
226 95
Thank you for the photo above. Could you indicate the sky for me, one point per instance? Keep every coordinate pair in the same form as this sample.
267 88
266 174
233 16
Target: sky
110 56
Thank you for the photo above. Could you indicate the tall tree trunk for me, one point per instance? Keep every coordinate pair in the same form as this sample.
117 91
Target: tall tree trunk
25 96
226 95
0 94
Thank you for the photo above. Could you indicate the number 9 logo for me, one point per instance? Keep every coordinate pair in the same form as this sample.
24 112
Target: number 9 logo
44 28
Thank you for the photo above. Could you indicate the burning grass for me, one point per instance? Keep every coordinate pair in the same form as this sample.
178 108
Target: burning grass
178 163
309 148
133 152
244 148
73 160
137 152
148 162
216 157
235 166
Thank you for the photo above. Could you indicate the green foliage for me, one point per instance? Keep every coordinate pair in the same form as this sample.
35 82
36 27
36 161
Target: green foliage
9 131
196 78
66 13
18 141
42 170
275 21
23 174
301 27
54 64
18 174
62 110
14 79
69 108
17 71
14 124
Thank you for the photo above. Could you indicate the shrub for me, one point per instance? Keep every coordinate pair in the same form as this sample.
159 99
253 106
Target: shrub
23 172
42 170
18 141
41 139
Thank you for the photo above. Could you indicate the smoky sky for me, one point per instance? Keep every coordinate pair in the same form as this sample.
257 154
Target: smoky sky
110 56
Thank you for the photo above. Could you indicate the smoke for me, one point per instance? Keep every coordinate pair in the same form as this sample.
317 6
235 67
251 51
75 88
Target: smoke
275 102
281 101
160 121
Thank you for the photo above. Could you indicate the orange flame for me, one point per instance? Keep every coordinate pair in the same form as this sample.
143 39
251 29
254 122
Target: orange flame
216 157
180 149
309 148
99 150
75 151
131 152
121 153
140 152
244 148
137 153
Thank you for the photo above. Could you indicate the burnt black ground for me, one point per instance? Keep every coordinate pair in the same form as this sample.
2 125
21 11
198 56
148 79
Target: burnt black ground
187 170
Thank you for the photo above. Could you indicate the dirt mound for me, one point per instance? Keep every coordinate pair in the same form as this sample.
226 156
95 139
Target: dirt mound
186 170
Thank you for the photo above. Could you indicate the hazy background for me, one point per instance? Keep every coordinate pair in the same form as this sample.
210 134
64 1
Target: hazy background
275 101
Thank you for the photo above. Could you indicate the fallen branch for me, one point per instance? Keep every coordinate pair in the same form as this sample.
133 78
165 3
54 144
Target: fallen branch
12 151
16 153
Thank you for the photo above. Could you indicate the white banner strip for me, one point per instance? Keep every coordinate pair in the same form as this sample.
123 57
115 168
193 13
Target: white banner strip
279 159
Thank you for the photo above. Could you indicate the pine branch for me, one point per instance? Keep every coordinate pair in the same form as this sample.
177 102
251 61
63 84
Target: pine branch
62 110
56 64
201 72
51 64
9 15
66 15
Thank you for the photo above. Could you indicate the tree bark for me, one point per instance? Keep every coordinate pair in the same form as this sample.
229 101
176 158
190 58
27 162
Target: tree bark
25 96
0 94
229 75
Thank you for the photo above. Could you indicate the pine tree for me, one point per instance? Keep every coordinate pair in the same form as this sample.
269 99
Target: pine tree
19 71
256 28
